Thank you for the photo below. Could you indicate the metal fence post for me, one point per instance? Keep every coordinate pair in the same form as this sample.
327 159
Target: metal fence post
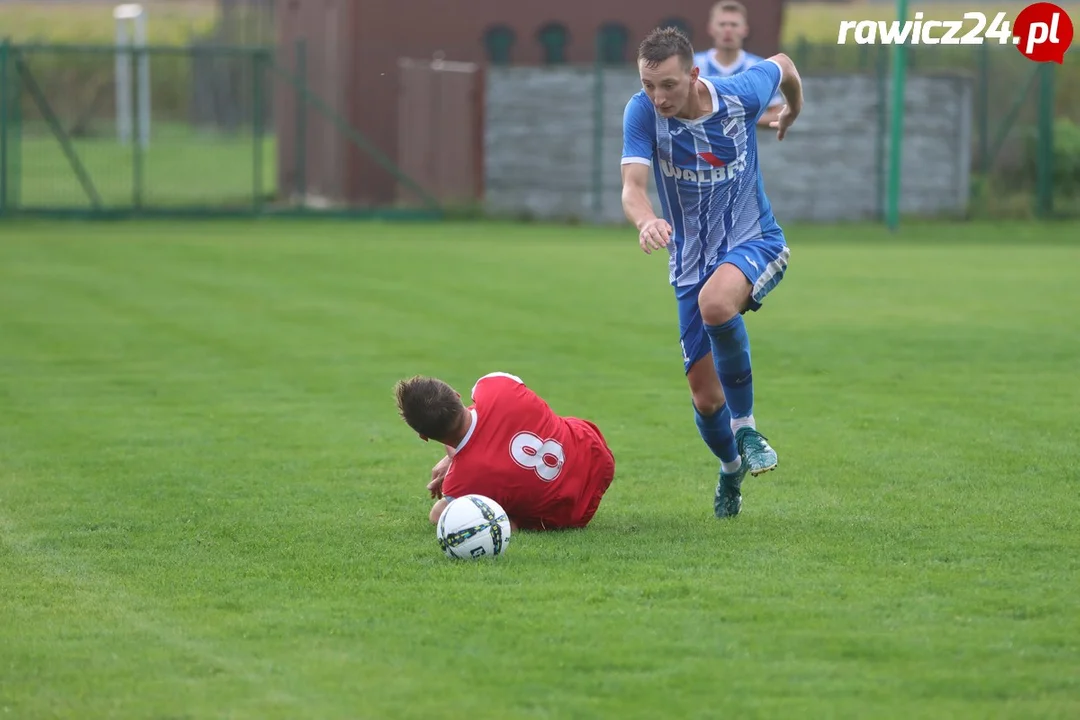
14 132
598 132
257 130
4 44
1044 182
137 137
300 152
983 106
882 71
896 131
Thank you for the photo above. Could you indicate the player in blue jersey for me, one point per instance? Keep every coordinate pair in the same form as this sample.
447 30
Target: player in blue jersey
726 251
728 27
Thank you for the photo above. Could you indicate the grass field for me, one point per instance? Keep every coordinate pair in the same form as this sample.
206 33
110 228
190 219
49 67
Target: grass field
209 508
179 168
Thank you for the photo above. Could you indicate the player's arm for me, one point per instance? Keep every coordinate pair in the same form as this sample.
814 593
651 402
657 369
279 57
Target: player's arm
437 510
772 113
791 88
638 151
452 484
653 233
438 473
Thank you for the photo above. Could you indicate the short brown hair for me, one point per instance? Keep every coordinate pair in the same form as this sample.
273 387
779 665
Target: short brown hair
729 6
429 406
662 43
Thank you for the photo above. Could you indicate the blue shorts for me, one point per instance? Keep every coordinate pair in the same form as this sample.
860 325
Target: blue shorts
763 262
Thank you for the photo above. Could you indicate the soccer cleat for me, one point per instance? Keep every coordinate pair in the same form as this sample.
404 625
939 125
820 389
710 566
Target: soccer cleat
758 457
728 499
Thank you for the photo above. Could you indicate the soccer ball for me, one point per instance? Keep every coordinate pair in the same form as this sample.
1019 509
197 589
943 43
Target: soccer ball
473 526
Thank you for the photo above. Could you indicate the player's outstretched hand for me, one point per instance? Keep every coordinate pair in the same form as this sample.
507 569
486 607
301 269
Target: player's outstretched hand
783 121
654 235
437 474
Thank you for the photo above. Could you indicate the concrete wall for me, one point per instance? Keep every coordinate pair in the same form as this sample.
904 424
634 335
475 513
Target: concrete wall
540 146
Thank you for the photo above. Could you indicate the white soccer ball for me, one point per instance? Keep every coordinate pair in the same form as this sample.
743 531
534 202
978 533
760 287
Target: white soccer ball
473 527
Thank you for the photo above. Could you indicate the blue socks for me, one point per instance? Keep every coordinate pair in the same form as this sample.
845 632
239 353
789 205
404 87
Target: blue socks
716 432
731 356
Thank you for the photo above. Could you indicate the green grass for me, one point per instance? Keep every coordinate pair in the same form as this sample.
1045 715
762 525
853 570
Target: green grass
209 508
180 168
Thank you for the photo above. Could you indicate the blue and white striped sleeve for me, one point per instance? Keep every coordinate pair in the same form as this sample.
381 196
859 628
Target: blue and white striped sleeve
639 125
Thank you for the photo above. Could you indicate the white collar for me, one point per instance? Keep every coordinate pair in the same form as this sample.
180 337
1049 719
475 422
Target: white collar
468 433
714 99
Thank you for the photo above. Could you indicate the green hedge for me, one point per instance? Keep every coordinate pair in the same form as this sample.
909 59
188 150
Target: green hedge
1066 157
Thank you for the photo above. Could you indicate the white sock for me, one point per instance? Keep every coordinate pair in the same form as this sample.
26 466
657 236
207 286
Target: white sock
747 421
730 467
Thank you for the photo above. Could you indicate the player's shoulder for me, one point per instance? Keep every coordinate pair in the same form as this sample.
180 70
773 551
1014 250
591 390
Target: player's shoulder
750 77
767 65
640 102
725 85
640 112
497 378
751 59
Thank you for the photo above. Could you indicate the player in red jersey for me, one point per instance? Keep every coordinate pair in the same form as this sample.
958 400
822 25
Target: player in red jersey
547 471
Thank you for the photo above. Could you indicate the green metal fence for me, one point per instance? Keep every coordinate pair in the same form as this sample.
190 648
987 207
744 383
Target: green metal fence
66 152
1026 117
206 146
213 149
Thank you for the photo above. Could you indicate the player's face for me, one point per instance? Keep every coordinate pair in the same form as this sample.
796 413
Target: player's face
728 30
668 85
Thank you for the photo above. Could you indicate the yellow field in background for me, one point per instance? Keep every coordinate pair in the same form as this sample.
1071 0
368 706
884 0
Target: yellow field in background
820 22
169 23
173 22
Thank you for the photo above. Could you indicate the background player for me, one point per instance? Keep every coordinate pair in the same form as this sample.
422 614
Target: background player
726 251
728 27
547 471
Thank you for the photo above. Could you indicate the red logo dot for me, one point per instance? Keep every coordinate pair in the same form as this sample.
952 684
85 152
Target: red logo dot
1043 32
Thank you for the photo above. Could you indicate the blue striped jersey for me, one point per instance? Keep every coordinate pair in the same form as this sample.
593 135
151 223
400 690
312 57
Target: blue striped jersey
706 170
710 67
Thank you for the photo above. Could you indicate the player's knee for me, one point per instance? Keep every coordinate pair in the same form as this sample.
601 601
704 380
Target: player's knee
725 295
717 308
707 402
706 392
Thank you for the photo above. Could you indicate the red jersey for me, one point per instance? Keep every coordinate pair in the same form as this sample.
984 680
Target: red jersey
547 471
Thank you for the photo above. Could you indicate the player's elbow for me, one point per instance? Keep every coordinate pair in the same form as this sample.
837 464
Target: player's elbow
784 62
788 71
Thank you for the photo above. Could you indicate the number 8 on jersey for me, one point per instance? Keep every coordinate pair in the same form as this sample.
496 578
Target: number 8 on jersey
544 457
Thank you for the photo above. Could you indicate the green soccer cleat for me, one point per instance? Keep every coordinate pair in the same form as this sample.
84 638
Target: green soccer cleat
757 456
728 499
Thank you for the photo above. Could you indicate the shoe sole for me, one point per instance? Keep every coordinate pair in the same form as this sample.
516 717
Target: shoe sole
762 471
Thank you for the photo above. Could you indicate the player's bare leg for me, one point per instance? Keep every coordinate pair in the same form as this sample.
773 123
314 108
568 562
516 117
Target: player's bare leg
723 299
714 424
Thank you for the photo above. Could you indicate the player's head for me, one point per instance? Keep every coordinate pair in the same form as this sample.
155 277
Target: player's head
430 407
727 25
666 66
